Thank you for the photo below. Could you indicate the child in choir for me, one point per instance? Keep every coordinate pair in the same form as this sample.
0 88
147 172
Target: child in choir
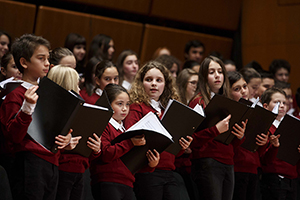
106 72
245 162
170 62
212 161
128 65
72 166
102 47
33 163
62 56
5 43
279 177
77 45
253 79
8 68
111 179
152 89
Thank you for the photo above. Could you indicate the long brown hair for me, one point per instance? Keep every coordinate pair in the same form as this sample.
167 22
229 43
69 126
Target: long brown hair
137 92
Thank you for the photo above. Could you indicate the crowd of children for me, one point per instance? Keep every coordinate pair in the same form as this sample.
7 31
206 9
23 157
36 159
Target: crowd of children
203 169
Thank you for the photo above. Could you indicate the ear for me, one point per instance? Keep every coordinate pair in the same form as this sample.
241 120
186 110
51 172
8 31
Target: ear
51 65
186 56
97 80
265 105
24 63
3 71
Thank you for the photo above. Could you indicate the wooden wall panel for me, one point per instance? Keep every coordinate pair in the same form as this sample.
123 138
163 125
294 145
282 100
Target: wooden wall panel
125 34
175 40
55 24
216 13
132 6
271 31
17 18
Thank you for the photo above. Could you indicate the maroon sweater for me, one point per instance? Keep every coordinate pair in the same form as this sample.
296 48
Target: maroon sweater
108 167
15 129
89 99
204 145
271 164
137 112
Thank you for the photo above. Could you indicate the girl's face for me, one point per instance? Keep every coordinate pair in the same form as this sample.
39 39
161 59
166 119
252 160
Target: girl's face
110 50
191 87
4 42
120 106
282 74
253 86
79 52
174 70
215 77
130 66
239 90
68 61
154 83
196 68
11 70
277 97
110 75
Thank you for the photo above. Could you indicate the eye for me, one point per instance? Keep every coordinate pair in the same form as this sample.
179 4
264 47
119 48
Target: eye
236 89
116 78
148 79
107 79
159 80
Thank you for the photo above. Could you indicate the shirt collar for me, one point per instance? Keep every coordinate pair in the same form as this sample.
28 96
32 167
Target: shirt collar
212 94
276 122
126 85
26 85
156 105
99 91
116 125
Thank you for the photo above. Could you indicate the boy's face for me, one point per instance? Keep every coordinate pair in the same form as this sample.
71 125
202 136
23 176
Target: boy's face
38 66
266 83
277 97
195 53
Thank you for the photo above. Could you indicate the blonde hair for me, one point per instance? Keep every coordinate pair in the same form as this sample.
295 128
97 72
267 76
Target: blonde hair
137 92
64 76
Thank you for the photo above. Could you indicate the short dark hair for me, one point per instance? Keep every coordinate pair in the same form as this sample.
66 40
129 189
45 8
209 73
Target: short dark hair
190 64
266 97
168 61
193 43
255 65
282 85
265 74
74 39
25 46
249 73
234 76
278 64
59 53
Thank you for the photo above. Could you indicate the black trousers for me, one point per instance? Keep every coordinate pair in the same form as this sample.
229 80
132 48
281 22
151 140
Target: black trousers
4 185
273 187
112 191
34 178
158 185
70 186
215 180
245 187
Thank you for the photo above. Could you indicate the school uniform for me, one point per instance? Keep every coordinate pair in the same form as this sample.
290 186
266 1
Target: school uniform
126 85
33 164
279 177
111 179
161 183
212 162
93 98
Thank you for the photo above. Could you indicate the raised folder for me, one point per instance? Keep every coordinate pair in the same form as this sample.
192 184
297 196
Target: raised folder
58 110
259 121
220 107
157 137
180 121
289 139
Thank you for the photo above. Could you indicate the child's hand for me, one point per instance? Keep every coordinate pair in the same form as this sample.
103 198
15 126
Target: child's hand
239 131
95 145
185 143
153 158
138 140
73 143
31 95
262 139
63 141
223 125
274 140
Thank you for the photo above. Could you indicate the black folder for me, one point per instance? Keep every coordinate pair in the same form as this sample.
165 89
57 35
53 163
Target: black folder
220 107
8 87
58 110
136 158
259 121
289 139
180 121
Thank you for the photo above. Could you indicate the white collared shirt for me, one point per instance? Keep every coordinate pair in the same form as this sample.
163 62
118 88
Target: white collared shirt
99 91
116 125
212 94
276 122
126 85
156 105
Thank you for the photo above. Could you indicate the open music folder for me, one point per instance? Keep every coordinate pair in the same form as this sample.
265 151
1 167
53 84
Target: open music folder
58 110
157 137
